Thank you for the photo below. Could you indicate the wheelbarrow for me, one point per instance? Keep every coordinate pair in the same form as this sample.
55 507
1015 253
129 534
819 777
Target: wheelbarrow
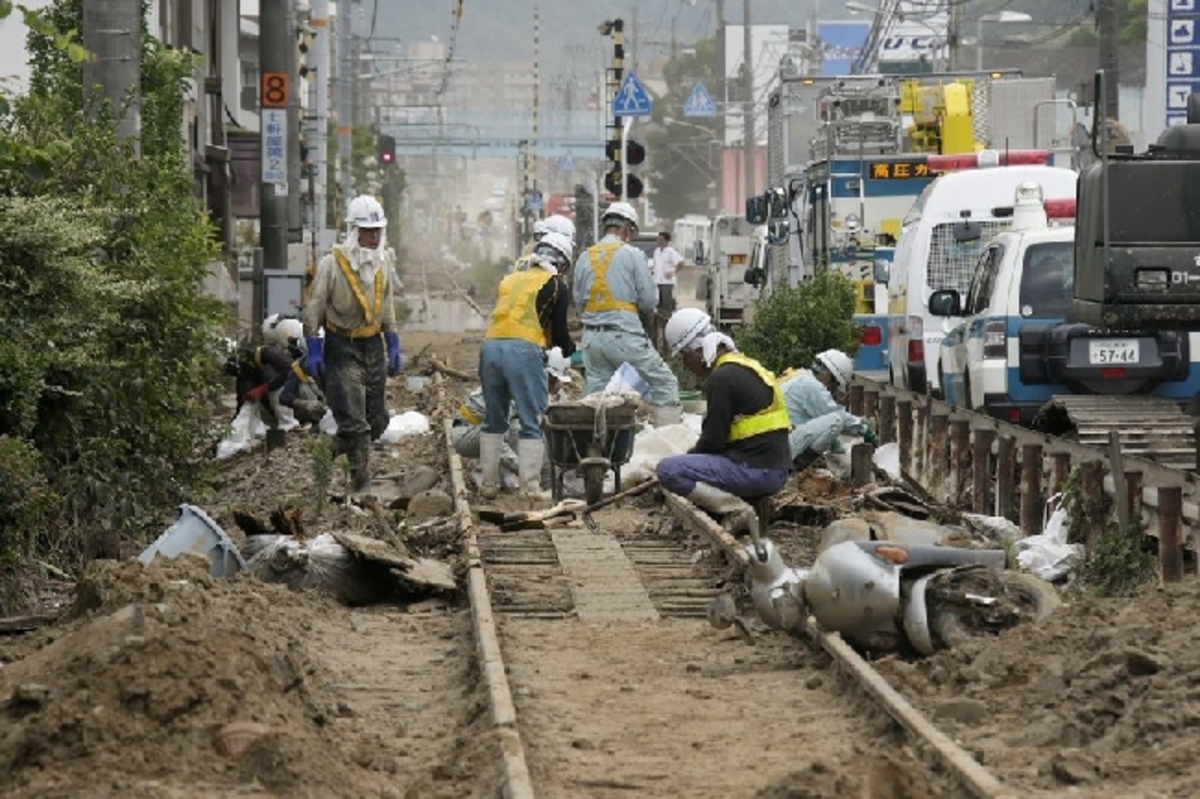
590 440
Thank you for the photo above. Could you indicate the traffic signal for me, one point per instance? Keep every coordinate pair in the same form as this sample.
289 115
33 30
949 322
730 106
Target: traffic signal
386 146
633 185
635 153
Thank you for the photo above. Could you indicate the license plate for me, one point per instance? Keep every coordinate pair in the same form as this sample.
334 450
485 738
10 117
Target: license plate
737 260
1113 351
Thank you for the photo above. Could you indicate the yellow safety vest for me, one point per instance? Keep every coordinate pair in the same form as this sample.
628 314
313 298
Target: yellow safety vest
773 417
515 315
600 298
467 416
372 327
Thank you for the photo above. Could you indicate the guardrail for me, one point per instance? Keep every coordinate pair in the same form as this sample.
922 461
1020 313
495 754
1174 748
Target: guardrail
1009 471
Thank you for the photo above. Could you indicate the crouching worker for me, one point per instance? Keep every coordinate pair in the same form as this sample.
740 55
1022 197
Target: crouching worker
813 405
468 427
743 446
512 361
273 376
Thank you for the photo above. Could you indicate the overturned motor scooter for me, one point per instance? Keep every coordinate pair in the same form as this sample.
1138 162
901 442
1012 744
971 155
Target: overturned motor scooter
887 597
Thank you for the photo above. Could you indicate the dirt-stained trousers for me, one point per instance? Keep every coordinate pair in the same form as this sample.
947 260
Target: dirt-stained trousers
355 383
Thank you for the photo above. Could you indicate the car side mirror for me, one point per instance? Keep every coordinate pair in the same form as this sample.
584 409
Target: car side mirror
756 210
882 271
777 231
945 303
777 203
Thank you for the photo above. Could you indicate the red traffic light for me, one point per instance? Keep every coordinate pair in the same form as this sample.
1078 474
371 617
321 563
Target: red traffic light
386 148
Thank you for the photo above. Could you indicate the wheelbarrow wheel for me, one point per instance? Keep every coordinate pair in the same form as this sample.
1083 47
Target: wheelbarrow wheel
593 470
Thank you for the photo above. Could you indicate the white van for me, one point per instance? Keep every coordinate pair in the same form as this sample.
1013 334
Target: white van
940 242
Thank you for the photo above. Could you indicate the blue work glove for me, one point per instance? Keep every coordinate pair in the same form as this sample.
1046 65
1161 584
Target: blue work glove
871 437
314 362
393 347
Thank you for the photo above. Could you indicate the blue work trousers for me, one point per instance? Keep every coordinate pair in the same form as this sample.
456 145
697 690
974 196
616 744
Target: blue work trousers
513 371
605 350
680 473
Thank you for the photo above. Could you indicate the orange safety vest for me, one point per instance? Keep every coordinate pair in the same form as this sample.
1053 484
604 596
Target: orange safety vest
600 298
372 327
515 315
773 417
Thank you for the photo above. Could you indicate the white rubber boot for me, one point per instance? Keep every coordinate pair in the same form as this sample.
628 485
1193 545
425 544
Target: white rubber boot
665 415
737 515
489 463
530 453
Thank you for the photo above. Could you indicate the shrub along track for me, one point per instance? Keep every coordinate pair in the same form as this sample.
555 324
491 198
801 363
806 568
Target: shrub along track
606 680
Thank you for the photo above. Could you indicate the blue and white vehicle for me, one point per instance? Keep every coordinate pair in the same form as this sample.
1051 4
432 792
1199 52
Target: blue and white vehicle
1015 351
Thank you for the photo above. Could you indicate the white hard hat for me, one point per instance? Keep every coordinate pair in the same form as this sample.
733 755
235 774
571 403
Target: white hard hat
557 223
278 330
623 211
558 365
365 211
838 364
684 326
559 244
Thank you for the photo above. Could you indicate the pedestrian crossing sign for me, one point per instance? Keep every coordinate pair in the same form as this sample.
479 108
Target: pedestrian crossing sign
699 103
632 99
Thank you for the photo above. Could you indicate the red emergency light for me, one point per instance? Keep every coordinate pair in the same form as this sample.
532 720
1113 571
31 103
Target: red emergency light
986 158
1060 209
872 336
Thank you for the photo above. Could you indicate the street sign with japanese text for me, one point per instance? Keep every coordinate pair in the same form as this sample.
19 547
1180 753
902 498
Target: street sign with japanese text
274 146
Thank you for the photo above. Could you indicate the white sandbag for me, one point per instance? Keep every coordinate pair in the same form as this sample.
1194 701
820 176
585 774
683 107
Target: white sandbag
246 428
1048 555
327 425
650 446
409 423
887 458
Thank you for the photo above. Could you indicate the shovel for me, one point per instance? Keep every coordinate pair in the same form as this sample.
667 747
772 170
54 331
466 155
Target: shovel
536 520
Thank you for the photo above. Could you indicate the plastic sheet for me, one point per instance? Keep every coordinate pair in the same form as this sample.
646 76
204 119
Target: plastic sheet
1048 555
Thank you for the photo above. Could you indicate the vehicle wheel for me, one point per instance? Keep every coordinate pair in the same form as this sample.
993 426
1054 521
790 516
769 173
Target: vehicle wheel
954 618
593 482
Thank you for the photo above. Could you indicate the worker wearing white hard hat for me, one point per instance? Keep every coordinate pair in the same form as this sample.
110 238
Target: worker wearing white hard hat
613 290
813 404
742 451
530 314
353 299
555 223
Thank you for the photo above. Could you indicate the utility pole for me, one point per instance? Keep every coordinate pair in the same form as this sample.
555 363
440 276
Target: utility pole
112 31
953 26
274 99
1108 21
537 97
748 133
345 108
722 57
318 151
295 225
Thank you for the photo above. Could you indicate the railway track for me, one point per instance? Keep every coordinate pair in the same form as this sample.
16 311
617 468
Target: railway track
604 678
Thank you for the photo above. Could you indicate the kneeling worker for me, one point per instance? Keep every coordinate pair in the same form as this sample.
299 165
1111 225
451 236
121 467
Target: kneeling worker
743 446
817 417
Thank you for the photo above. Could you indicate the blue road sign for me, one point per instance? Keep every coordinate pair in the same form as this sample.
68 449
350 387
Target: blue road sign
699 103
534 202
567 163
631 99
1182 57
1182 5
1181 32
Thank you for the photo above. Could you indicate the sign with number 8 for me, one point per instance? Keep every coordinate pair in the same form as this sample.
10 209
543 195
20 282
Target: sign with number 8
274 90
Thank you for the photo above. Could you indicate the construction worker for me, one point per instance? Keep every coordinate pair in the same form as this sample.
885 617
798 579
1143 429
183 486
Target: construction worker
612 287
555 223
468 421
272 375
512 361
818 419
353 299
743 446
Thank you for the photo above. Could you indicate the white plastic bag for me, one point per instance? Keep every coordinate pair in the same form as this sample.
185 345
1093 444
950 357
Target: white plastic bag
409 423
246 427
626 379
1048 555
650 446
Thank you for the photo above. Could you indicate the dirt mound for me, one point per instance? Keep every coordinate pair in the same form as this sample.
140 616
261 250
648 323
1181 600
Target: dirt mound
1101 695
879 775
166 679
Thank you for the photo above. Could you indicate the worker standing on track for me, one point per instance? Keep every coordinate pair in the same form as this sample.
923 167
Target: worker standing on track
512 361
812 399
353 299
742 451
612 286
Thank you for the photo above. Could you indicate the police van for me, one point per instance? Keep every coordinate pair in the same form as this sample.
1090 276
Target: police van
940 242
1014 350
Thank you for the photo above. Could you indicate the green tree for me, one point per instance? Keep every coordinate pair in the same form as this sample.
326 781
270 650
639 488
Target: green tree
107 367
792 324
683 152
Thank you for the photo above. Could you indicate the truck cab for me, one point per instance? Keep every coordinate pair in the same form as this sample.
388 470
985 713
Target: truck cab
1014 350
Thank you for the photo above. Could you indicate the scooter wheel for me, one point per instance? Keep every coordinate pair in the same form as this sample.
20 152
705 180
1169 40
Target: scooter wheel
1021 599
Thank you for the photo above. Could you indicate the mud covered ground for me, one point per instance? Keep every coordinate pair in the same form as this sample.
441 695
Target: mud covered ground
163 682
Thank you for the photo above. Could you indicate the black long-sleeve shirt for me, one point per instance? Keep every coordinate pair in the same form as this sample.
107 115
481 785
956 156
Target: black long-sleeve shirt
553 305
732 390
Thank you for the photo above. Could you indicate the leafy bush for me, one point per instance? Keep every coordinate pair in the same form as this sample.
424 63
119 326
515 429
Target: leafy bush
792 324
28 511
105 366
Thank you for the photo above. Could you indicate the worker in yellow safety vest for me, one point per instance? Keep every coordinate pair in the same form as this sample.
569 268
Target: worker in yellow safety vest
530 315
612 286
743 450
353 300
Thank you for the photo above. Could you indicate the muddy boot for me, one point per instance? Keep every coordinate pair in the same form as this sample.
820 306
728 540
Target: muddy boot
489 463
531 452
737 515
359 455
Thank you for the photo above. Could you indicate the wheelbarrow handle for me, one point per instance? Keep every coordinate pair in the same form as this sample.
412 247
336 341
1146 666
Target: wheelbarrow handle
632 491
